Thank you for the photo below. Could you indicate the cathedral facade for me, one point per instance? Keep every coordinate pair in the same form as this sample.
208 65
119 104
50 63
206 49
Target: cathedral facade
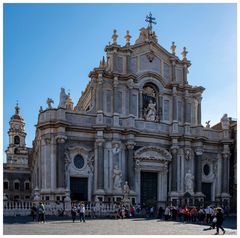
137 122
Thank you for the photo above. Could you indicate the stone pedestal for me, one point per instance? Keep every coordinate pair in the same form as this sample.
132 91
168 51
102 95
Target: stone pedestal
67 203
36 197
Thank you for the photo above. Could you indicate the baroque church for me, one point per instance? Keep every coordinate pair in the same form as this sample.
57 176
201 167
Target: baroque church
138 122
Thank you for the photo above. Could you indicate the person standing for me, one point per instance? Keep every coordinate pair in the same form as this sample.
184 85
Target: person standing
219 222
34 212
82 212
74 212
41 213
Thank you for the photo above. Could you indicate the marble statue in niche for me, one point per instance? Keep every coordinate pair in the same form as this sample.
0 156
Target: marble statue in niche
189 182
151 111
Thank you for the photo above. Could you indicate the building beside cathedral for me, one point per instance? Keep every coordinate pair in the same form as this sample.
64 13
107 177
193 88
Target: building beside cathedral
138 121
17 174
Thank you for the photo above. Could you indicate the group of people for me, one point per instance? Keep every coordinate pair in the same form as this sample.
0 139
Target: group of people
208 215
78 209
38 212
124 211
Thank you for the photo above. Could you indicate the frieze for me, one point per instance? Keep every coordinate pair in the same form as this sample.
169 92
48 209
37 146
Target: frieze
153 153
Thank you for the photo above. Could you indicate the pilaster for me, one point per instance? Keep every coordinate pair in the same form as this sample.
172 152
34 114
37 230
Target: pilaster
130 165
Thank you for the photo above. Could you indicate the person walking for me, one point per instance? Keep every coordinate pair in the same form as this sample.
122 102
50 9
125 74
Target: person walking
82 212
41 213
219 216
74 212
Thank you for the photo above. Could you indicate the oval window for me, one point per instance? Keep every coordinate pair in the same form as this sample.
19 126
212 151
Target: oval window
206 169
78 161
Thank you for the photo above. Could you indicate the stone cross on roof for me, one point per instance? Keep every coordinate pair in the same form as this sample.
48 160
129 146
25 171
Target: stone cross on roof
150 20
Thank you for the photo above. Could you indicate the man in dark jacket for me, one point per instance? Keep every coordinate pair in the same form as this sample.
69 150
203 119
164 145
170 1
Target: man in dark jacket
219 217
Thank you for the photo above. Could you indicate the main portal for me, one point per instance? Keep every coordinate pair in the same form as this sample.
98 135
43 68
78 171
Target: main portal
148 186
79 189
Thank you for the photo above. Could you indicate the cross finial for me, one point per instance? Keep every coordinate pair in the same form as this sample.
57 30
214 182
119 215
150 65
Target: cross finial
150 20
17 109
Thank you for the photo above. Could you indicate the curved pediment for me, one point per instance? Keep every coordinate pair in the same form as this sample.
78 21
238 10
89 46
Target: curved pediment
153 153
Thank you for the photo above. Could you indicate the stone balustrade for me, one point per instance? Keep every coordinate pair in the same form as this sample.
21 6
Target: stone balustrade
86 119
23 208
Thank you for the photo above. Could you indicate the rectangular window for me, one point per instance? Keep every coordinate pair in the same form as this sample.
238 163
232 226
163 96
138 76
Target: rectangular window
119 102
16 186
179 111
27 186
134 105
189 112
166 71
109 101
6 185
179 75
166 110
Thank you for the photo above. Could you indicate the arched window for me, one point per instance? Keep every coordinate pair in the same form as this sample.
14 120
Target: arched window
16 140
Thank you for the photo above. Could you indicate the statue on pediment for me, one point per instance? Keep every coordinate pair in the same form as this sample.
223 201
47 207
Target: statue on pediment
225 122
62 99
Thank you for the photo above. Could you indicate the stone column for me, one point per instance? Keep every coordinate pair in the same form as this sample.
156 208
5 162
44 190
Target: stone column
130 170
60 166
225 172
99 97
140 103
185 71
198 171
185 102
130 86
115 83
100 164
199 111
174 104
173 71
174 151
160 106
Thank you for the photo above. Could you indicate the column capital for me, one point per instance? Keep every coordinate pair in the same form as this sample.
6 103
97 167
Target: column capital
225 155
199 151
100 79
115 81
130 145
61 139
130 83
47 140
99 142
174 149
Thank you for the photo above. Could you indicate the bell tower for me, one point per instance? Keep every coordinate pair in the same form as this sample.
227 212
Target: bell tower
17 152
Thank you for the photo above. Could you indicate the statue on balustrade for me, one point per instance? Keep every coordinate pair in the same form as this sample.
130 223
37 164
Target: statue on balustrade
117 178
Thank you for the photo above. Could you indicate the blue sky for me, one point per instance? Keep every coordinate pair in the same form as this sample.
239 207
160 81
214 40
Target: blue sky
49 46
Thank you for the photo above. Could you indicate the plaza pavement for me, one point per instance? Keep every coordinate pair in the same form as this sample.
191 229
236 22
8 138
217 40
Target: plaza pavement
133 226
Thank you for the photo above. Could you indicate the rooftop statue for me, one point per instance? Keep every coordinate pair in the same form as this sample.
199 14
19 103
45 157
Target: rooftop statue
63 98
